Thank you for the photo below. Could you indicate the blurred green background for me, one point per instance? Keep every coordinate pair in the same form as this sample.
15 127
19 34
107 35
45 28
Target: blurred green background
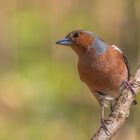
41 96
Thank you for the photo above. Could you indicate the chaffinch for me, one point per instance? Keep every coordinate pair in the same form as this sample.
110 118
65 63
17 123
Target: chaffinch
101 66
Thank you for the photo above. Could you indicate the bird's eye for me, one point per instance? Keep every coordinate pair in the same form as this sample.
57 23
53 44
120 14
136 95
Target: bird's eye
75 35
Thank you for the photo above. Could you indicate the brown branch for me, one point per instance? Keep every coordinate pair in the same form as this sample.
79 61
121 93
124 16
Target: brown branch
121 111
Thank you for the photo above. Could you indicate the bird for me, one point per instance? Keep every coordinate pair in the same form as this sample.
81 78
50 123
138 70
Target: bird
102 67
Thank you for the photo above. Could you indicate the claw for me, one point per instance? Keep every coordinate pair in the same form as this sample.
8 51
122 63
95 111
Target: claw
129 87
103 125
135 83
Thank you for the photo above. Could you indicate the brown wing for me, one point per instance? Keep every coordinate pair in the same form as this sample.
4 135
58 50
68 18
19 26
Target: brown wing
127 65
129 74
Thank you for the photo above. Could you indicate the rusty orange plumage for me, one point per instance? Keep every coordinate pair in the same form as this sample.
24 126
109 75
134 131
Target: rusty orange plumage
102 67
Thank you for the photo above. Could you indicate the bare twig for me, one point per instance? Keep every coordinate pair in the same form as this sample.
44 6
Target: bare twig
121 110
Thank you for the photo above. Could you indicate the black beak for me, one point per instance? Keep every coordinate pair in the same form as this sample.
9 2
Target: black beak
65 41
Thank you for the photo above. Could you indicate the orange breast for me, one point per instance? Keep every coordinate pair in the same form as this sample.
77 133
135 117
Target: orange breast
104 72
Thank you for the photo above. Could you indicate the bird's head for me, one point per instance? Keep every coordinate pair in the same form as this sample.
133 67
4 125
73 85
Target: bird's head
82 41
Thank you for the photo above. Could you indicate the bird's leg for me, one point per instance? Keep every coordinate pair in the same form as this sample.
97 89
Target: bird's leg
111 107
103 120
102 113
102 117
112 104
129 87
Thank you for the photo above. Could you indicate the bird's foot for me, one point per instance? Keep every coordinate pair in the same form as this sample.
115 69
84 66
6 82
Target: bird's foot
135 83
130 87
103 125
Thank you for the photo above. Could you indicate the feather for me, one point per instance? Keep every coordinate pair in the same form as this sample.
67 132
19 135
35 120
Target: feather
127 65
